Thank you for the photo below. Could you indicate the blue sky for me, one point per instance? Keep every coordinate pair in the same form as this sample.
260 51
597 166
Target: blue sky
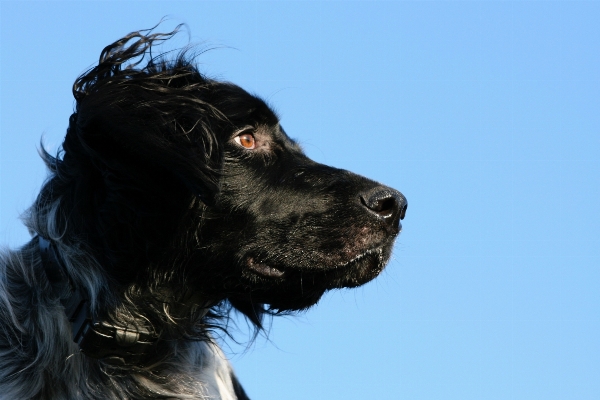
485 114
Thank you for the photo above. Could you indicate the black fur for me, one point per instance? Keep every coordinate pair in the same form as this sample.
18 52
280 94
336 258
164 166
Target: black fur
162 215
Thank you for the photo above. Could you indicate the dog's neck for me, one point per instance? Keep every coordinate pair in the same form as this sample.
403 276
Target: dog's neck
76 305
133 344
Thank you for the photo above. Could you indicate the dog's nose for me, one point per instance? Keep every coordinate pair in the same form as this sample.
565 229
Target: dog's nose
387 204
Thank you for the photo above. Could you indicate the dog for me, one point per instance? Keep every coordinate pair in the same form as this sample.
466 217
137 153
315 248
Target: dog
174 200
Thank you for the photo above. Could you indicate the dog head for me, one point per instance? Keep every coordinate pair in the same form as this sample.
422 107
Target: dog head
178 181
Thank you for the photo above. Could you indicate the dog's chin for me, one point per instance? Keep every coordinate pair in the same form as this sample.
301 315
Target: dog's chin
360 270
293 288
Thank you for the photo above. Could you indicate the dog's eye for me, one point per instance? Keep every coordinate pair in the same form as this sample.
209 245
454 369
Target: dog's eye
246 140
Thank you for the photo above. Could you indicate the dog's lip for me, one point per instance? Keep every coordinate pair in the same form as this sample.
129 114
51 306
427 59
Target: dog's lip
378 251
264 269
274 272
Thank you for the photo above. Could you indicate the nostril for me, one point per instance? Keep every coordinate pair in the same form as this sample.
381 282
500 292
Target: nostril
403 211
387 204
382 206
381 202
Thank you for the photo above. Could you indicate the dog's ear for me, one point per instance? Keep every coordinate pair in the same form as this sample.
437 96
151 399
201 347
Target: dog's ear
155 114
117 138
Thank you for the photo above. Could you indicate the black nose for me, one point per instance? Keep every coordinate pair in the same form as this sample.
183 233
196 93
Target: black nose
387 204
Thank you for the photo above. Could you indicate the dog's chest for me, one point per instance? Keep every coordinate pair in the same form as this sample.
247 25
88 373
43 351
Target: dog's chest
214 374
199 372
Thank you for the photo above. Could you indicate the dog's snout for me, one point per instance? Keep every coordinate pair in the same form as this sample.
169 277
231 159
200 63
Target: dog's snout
387 204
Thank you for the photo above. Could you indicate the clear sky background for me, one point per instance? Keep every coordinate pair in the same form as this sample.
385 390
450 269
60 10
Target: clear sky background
485 114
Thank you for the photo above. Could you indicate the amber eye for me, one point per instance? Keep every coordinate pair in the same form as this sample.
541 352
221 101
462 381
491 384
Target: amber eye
246 140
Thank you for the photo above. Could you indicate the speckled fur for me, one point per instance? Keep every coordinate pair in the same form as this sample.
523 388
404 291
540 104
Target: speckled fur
39 360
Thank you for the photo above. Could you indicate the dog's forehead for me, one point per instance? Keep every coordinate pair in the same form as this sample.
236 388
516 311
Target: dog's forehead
263 117
243 107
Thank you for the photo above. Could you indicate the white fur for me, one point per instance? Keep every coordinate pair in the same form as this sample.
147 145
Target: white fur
216 373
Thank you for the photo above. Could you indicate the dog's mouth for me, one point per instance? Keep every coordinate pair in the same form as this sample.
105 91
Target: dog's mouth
291 287
368 259
264 269
374 254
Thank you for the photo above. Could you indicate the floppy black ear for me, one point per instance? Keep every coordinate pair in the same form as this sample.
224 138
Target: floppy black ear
156 114
115 139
